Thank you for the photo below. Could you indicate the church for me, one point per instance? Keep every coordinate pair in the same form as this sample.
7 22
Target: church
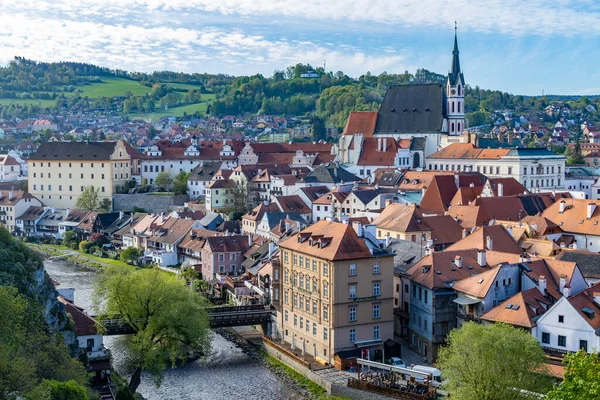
413 122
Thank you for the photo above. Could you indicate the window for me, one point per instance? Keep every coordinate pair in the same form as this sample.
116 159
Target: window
314 286
286 297
325 313
295 299
221 257
302 302
295 279
308 305
561 319
562 341
376 270
314 265
232 257
301 322
301 281
376 332
295 262
90 344
510 170
352 335
295 320
376 311
307 280
352 314
352 291
286 256
420 293
286 315
301 261
406 288
285 276
325 290
314 329
324 333
376 289
307 325
583 345
352 270
314 307
325 269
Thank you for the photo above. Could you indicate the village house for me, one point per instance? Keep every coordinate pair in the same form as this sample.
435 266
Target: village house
223 255
13 204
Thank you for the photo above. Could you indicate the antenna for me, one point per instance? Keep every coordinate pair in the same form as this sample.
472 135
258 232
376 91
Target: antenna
455 26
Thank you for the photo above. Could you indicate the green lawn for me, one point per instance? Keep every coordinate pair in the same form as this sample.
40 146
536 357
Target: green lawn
58 250
7 102
111 87
176 111
186 86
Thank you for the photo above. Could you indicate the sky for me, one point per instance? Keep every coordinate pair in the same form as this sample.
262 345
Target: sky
519 46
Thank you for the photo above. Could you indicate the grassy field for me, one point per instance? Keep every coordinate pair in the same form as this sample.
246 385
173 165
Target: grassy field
175 112
111 87
7 102
186 86
101 262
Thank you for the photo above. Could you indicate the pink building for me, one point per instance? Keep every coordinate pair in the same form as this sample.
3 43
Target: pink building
224 255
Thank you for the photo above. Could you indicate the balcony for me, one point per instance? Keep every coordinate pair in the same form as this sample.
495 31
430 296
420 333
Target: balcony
560 353
466 316
103 354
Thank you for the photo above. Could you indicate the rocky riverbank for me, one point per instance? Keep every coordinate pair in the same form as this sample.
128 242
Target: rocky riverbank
305 388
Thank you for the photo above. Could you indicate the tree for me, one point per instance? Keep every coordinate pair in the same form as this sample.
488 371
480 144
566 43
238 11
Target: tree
318 129
492 362
88 200
576 157
166 319
582 372
105 205
130 255
55 390
163 180
180 182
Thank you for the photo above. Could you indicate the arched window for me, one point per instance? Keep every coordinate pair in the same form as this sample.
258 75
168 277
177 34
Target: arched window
459 92
458 127
452 106
459 106
452 130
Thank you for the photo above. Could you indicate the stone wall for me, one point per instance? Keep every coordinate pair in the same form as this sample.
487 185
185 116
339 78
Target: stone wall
150 203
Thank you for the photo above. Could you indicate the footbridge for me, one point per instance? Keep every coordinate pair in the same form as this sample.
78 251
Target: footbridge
219 317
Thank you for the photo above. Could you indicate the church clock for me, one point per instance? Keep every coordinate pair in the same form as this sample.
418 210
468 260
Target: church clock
453 91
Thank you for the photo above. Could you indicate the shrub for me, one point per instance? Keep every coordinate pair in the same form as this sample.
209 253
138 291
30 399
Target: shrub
84 246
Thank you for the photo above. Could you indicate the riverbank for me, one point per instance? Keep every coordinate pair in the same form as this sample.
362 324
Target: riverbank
304 386
75 257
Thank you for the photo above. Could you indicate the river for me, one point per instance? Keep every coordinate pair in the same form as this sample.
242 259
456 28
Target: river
228 373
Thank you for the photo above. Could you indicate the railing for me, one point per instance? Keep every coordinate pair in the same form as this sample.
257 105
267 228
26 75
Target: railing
466 316
391 392
555 352
286 352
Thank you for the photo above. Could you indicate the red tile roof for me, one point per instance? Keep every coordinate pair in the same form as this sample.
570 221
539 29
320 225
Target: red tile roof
361 122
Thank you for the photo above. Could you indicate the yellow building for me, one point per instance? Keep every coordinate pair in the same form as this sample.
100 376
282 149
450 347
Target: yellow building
337 293
60 171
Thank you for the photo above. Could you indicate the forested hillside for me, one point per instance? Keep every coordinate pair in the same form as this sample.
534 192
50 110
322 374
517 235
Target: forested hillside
27 87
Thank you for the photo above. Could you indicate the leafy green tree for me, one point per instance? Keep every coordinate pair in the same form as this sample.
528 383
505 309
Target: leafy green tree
88 200
55 390
492 362
180 182
105 205
130 254
582 378
69 237
163 180
318 129
137 209
576 157
167 320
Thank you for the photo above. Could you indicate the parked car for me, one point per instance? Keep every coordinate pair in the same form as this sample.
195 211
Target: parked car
435 373
397 362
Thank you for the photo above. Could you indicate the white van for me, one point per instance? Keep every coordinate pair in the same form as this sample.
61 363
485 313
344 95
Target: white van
434 372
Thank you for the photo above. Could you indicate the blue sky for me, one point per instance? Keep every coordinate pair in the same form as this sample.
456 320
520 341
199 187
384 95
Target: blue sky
518 46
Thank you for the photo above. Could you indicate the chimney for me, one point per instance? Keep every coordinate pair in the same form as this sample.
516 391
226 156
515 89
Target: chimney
387 241
596 296
471 184
458 261
67 212
542 284
553 192
489 243
566 291
591 207
574 245
250 240
11 195
481 258
357 225
162 217
266 203
384 148
121 214
378 144
500 190
563 282
464 233
562 206
287 226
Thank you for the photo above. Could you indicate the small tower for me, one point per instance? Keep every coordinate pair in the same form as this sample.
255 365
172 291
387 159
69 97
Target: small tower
455 93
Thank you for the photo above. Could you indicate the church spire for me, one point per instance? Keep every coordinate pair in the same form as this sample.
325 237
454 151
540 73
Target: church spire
455 71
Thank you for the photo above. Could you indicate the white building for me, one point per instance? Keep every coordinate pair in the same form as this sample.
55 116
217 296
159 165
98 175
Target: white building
9 168
580 218
572 323
536 169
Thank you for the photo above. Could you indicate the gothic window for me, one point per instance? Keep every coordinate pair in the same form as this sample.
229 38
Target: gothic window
459 94
459 106
452 106
459 127
452 130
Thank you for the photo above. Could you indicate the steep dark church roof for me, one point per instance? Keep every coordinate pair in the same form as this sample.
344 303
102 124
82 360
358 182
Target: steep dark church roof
412 109
455 71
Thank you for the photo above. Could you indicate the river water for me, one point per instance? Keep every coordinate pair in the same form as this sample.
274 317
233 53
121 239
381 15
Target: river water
228 373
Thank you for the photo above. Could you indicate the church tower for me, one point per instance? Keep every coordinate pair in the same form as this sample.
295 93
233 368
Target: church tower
455 93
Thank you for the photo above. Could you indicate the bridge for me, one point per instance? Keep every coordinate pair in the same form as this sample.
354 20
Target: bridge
219 317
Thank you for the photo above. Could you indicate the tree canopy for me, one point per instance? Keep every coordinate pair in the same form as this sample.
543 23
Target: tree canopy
163 180
492 362
582 378
88 200
168 320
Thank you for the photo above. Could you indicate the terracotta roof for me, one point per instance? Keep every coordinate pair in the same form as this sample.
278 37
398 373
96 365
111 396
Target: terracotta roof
84 324
501 240
292 203
468 151
477 285
226 244
444 229
195 239
12 197
371 156
328 240
257 212
88 222
468 217
31 214
361 122
525 306
7 160
574 218
439 194
417 180
171 230
401 218
585 299
314 192
465 195
510 186
333 193
221 184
